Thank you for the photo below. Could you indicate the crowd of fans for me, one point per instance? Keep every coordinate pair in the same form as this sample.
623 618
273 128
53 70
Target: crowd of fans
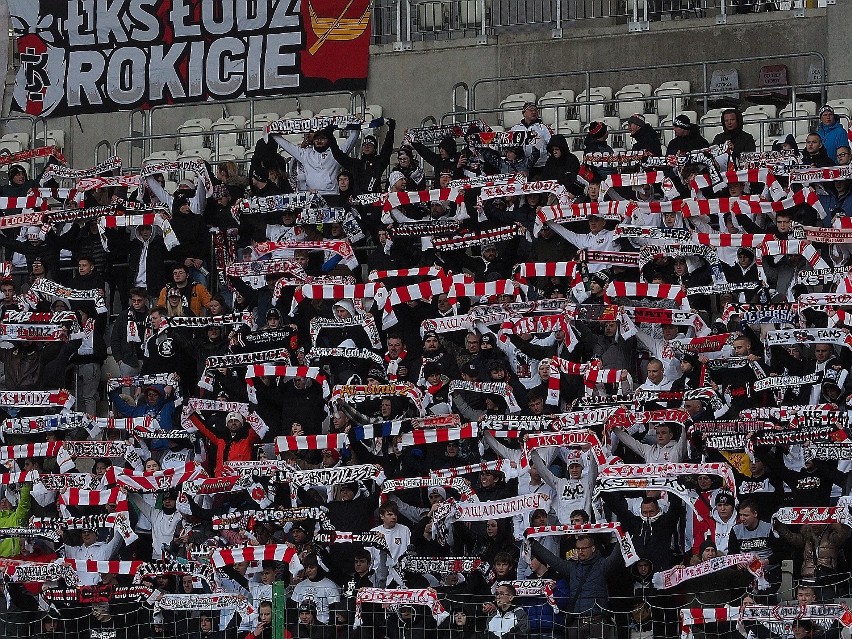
547 330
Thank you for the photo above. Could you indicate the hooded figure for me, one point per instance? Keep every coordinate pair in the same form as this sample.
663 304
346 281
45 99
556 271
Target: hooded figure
409 167
732 131
832 132
561 165
787 140
446 158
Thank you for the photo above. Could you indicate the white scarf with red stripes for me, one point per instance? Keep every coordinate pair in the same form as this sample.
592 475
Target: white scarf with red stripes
154 481
334 441
286 373
354 292
643 289
578 211
270 552
509 468
677 575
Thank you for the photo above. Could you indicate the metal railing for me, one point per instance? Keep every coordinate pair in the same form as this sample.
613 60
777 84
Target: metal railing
694 99
469 96
406 21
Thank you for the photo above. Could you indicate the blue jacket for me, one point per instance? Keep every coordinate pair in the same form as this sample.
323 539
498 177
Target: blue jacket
541 614
833 136
587 580
163 411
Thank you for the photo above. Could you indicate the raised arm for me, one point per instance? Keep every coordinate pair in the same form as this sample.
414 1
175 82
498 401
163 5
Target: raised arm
158 191
288 146
631 442
547 477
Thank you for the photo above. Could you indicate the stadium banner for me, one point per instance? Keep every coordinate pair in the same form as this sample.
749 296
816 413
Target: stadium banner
95 57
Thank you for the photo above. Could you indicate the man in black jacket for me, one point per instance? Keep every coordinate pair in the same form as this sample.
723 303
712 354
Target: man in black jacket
367 169
128 333
732 125
652 531
646 138
686 137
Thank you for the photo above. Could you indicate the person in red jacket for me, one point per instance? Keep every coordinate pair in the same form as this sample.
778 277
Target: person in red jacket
237 444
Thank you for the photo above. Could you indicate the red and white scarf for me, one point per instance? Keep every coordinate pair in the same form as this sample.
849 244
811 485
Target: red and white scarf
334 441
591 372
676 576
643 289
286 373
340 247
270 552
422 597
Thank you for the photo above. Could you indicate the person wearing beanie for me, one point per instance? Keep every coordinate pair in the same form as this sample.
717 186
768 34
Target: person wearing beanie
690 367
646 138
687 137
321 167
536 150
236 443
397 181
407 164
832 132
367 169
446 158
595 140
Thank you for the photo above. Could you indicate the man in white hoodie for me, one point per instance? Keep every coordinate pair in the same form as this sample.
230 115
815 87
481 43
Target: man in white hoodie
321 169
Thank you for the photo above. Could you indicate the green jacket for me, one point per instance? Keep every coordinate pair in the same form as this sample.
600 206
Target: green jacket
11 546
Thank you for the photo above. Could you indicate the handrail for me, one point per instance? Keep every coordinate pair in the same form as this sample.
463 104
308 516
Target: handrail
671 65
703 95
456 87
31 119
98 147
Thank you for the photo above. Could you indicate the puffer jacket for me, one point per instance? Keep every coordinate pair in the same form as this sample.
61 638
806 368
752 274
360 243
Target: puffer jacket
833 136
237 447
821 545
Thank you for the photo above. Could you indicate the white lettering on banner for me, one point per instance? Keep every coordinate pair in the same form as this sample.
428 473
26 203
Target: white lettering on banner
120 54
501 508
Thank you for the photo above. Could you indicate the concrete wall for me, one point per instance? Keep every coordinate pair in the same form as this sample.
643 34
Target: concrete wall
418 83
